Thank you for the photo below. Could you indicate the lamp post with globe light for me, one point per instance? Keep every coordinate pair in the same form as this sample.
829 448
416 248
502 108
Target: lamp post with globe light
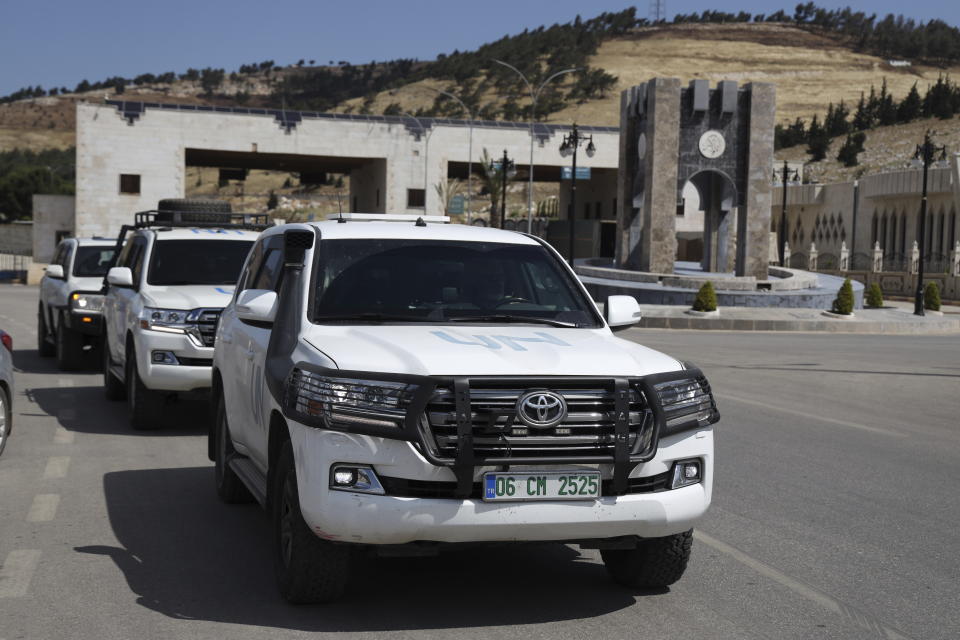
784 174
507 170
571 142
924 157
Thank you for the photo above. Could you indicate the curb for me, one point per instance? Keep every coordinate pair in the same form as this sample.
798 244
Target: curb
820 326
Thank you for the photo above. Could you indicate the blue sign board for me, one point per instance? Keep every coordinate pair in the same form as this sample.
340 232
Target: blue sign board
456 205
583 173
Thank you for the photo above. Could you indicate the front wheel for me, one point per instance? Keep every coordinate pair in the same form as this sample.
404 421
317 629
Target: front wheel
44 347
654 563
229 486
6 418
69 346
145 404
309 569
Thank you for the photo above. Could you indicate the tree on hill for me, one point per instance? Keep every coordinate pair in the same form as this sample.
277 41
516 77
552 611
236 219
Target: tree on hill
818 140
911 107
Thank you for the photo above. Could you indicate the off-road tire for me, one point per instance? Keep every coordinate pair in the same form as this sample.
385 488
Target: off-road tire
194 205
45 348
654 563
69 346
230 487
113 389
6 418
308 569
145 404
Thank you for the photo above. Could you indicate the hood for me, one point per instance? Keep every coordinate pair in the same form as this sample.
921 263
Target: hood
187 297
495 350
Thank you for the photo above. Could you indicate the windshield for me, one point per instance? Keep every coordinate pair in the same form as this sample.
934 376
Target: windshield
442 281
178 262
92 261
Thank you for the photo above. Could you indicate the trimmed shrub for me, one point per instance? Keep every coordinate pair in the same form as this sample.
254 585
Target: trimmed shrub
931 297
874 297
706 298
843 303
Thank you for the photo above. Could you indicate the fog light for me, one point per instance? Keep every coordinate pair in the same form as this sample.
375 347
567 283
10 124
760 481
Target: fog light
163 357
685 473
355 478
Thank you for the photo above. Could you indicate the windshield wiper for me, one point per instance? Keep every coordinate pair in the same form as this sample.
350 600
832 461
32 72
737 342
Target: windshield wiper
367 317
505 317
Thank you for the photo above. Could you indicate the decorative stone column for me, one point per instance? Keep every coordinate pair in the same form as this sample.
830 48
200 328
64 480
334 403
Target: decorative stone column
955 260
786 254
844 256
915 258
877 265
812 261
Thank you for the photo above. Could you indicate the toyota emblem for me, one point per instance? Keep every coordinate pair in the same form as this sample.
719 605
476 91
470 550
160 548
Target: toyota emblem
541 409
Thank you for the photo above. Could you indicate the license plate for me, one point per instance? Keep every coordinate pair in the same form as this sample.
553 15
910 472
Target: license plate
551 485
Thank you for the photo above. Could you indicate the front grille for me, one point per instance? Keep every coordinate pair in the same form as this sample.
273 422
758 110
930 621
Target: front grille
207 320
587 431
406 488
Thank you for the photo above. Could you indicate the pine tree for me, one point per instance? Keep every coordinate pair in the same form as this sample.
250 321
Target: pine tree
931 297
818 141
911 107
874 297
706 299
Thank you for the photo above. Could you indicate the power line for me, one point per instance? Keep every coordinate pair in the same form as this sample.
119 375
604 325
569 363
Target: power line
658 10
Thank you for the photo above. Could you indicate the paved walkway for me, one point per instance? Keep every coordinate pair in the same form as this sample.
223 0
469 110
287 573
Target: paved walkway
896 317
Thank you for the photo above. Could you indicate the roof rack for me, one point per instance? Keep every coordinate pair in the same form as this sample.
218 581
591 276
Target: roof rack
202 219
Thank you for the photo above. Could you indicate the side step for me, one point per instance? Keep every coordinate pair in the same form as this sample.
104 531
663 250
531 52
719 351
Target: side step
250 475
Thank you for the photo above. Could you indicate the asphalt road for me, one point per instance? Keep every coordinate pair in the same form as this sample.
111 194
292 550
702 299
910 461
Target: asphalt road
835 515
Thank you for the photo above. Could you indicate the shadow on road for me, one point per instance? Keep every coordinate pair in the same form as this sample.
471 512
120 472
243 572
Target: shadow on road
29 361
187 555
86 410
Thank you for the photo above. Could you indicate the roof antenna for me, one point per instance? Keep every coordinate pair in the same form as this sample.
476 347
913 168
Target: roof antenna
340 207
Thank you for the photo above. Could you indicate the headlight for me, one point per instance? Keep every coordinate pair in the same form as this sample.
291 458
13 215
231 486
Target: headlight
342 403
166 320
687 404
86 302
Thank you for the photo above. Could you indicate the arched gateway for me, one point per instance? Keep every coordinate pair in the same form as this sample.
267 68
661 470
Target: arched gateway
721 141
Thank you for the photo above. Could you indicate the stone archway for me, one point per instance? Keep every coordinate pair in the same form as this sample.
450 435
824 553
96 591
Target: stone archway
717 195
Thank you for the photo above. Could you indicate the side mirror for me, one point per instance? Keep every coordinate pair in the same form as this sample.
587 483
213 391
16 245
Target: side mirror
257 305
622 312
120 277
54 271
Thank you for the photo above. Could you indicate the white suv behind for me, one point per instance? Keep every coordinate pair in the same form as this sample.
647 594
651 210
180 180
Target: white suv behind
69 313
397 385
172 278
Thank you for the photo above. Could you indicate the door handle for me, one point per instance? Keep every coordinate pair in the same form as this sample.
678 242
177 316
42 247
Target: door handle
249 354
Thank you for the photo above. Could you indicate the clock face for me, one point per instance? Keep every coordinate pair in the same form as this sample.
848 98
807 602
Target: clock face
642 146
712 144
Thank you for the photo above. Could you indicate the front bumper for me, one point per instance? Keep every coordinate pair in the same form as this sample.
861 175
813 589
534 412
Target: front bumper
384 519
194 372
90 324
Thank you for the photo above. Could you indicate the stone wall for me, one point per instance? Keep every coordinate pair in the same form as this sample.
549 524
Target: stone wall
53 218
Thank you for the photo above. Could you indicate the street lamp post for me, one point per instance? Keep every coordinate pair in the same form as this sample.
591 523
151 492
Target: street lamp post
924 155
507 170
469 150
571 142
534 96
785 172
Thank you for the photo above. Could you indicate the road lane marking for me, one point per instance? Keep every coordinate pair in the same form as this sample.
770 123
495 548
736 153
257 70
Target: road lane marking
17 571
44 507
65 382
861 619
62 436
810 416
56 467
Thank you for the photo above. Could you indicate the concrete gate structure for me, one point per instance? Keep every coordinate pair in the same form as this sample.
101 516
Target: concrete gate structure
721 141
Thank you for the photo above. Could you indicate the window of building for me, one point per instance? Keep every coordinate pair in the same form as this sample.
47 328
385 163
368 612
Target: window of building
416 198
130 183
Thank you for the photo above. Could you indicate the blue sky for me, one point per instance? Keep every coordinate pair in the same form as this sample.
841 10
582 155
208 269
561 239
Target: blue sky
61 43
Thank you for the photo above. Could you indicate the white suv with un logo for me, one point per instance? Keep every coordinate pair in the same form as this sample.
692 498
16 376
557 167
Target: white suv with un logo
388 380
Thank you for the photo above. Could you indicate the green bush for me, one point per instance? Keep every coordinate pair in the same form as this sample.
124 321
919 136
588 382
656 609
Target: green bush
874 298
706 298
931 297
843 303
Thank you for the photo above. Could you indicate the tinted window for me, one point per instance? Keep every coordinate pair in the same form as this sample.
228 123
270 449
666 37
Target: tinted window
438 281
270 270
176 262
92 261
